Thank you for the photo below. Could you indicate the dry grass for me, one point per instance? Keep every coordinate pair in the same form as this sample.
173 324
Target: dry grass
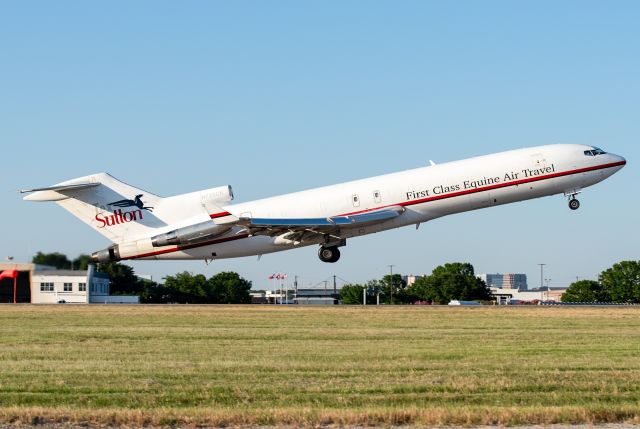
263 365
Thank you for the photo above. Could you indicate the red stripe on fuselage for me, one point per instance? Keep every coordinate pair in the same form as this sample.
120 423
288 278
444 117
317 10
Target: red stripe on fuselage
404 204
190 246
491 187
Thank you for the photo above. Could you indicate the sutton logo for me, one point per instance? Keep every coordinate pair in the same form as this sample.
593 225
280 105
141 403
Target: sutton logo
119 217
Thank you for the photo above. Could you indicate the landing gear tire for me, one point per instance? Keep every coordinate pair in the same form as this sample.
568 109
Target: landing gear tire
329 254
574 204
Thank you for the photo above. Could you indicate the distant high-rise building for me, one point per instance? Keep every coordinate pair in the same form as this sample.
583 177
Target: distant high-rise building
505 281
410 279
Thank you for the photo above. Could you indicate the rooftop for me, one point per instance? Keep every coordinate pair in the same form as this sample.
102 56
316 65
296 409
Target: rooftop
68 273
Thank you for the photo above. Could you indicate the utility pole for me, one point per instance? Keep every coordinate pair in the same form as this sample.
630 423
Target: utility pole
391 283
541 278
295 285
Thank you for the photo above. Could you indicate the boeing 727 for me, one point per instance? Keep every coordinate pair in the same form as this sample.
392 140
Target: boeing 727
205 225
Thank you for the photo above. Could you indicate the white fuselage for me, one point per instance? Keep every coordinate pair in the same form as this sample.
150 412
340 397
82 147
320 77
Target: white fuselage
426 193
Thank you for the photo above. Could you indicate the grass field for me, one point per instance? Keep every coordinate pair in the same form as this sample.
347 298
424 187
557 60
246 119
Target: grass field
249 365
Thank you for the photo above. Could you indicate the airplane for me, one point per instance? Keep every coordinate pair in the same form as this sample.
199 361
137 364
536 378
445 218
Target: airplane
205 225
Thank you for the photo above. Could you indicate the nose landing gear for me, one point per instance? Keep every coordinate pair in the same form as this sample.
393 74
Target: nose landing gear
329 254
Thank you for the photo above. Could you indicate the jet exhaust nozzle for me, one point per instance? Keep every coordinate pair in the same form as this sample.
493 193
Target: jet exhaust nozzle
190 234
110 254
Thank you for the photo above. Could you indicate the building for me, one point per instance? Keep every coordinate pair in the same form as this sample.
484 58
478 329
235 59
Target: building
505 281
258 297
22 291
513 296
300 296
39 284
411 279
316 296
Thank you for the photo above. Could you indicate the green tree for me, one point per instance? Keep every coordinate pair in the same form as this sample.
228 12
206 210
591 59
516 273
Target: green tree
351 294
395 284
186 288
450 281
622 281
228 288
586 291
55 259
123 279
153 293
81 262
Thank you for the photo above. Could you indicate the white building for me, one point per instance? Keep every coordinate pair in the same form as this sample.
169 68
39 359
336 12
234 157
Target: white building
46 285
513 296
316 296
56 286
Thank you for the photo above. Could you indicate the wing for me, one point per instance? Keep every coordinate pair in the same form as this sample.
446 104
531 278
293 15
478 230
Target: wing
305 229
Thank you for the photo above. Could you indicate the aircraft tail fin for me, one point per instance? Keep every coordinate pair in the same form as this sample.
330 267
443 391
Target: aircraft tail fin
113 208
122 212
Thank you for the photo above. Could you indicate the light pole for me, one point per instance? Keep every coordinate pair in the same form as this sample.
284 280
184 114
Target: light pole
541 277
391 283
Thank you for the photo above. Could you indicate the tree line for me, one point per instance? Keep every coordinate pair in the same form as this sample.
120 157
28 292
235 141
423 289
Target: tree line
182 288
452 281
620 283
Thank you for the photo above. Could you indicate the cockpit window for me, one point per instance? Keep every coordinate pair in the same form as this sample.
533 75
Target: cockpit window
594 152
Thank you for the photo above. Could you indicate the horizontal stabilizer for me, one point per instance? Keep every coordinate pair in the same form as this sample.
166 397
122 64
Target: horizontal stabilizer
61 188
55 193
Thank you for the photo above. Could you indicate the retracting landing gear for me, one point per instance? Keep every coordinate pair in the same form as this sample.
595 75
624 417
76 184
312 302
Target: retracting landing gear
329 254
574 204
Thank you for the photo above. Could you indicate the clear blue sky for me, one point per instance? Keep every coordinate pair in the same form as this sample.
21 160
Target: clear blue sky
273 97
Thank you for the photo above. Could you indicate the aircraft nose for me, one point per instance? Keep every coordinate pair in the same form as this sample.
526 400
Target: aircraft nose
619 159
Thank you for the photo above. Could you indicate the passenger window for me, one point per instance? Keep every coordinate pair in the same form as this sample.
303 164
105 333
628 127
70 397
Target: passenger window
376 196
356 200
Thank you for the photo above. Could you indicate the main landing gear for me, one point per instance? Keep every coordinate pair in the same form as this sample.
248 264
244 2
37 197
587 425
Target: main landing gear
574 204
328 254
